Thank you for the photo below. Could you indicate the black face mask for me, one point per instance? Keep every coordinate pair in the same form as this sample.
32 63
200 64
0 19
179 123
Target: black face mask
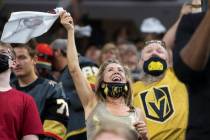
114 90
155 66
4 63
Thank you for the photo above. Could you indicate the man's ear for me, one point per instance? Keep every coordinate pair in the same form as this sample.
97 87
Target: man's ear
170 59
35 59
141 62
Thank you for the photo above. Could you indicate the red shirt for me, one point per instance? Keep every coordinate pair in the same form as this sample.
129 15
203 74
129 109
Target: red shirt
18 116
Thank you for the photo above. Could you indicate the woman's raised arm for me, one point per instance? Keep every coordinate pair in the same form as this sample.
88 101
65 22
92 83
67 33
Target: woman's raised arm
83 88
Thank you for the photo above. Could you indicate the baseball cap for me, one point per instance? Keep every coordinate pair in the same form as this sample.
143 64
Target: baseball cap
152 25
59 44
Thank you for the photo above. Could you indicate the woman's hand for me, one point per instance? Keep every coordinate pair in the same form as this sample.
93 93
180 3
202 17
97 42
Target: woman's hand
186 9
67 21
141 128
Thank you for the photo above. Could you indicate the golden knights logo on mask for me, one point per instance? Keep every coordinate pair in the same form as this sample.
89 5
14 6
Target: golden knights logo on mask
114 90
157 104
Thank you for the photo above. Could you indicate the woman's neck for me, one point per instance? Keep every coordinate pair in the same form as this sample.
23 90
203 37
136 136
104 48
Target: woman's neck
114 101
117 107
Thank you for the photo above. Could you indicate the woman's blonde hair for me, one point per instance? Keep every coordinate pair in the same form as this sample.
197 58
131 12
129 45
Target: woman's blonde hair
118 129
100 79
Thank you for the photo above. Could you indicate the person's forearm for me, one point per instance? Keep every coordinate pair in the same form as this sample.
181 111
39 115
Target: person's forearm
72 54
82 87
196 53
169 37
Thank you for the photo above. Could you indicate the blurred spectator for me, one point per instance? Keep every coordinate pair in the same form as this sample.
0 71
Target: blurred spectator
121 35
151 28
115 131
59 61
76 124
49 96
192 66
122 47
109 51
44 60
93 53
82 44
130 59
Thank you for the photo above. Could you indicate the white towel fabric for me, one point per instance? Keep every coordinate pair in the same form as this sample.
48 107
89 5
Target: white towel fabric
24 25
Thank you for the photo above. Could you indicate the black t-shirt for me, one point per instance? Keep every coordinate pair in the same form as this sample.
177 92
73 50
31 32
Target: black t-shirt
198 82
45 93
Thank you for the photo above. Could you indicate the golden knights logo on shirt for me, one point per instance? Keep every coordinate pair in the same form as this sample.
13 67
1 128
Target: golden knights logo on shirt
165 105
157 103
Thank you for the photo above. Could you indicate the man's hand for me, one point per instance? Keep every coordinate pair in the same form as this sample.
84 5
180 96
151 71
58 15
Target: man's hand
67 21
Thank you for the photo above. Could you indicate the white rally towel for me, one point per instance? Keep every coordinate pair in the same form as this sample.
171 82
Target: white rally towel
24 25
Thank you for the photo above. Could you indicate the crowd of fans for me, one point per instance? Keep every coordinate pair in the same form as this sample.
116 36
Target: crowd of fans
154 86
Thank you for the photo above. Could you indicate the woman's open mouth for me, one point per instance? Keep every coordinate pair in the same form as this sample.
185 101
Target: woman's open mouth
116 78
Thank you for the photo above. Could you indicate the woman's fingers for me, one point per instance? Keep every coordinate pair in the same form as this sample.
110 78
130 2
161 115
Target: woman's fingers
141 127
66 20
